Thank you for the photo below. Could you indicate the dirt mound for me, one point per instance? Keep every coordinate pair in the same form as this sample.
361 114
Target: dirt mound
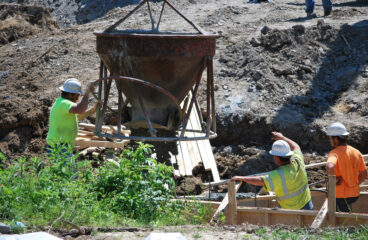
294 81
18 21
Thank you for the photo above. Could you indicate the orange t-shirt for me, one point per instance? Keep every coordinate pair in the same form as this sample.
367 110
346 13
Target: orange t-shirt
348 163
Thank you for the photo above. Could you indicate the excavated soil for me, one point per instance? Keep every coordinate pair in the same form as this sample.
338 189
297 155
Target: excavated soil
274 70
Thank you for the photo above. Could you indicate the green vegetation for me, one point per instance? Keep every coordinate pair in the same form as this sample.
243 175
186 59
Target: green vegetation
291 233
136 193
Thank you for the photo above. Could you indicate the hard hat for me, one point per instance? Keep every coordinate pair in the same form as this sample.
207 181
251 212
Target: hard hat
72 85
337 129
281 148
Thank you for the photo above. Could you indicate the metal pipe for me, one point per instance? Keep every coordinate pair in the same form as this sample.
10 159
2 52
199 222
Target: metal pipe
146 117
106 98
156 139
151 17
124 18
98 115
120 98
159 20
193 99
213 112
199 113
186 19
208 100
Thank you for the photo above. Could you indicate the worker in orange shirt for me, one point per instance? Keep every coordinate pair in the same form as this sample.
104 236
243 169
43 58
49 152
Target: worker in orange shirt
347 164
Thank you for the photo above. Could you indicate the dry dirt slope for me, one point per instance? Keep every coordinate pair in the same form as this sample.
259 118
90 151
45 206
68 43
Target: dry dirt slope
295 79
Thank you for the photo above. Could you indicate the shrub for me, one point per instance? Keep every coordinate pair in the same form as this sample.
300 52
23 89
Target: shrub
139 188
40 192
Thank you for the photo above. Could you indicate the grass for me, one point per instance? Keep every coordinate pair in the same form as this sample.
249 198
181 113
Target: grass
294 233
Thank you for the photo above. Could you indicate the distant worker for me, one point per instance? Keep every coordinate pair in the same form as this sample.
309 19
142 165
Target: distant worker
63 120
327 6
347 164
289 181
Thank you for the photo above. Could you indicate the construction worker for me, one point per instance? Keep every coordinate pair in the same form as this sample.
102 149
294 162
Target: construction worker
289 181
347 164
63 120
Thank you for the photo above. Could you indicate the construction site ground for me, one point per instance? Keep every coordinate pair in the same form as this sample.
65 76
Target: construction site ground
274 70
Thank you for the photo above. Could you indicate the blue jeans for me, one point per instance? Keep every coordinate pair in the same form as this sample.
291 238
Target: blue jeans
327 5
308 206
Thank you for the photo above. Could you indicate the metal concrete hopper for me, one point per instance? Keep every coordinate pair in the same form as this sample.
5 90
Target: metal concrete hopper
155 71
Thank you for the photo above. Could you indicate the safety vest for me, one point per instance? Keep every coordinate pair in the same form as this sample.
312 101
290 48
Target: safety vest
290 183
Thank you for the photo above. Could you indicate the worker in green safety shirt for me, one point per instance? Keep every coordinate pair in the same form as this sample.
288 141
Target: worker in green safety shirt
65 113
289 181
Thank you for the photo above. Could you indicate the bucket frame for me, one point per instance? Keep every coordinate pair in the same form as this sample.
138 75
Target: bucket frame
207 129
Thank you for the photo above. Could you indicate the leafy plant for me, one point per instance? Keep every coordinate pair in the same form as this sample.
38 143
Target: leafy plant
222 217
140 187
39 192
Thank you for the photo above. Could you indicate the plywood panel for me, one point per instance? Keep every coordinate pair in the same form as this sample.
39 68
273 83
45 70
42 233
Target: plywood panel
186 158
207 155
195 155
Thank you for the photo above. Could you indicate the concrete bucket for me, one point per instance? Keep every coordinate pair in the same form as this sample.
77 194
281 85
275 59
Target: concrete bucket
156 72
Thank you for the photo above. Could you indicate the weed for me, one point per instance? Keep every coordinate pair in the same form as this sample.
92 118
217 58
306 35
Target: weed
262 233
246 237
222 217
197 235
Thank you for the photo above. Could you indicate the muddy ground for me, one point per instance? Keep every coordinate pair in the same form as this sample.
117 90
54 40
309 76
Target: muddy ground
274 70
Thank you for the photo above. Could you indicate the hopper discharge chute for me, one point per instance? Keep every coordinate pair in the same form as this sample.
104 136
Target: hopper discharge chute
157 75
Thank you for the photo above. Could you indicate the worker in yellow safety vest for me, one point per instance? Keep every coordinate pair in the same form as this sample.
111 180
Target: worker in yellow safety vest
289 181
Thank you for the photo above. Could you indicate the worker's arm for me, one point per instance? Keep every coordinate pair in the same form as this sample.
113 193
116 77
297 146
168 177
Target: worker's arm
83 104
293 145
362 176
257 181
87 113
330 168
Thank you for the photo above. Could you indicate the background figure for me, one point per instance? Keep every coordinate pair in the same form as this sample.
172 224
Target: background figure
327 7
347 164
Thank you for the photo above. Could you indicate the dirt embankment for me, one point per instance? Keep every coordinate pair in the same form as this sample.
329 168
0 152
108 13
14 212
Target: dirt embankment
297 81
20 21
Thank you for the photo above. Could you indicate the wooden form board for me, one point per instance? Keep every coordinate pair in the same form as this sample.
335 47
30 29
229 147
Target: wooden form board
191 153
224 202
300 218
267 201
271 216
86 137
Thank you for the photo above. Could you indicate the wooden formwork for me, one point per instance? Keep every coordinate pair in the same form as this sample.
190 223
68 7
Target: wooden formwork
266 214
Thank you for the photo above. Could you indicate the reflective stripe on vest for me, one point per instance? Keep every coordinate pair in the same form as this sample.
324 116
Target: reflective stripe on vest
287 195
271 183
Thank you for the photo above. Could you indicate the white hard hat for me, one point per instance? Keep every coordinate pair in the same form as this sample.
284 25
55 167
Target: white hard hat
337 129
281 148
72 85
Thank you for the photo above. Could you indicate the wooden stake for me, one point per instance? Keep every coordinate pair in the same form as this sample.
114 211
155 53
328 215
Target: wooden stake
320 216
332 200
224 202
231 214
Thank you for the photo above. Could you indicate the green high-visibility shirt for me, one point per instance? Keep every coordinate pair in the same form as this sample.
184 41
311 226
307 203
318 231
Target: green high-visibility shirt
290 183
63 126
